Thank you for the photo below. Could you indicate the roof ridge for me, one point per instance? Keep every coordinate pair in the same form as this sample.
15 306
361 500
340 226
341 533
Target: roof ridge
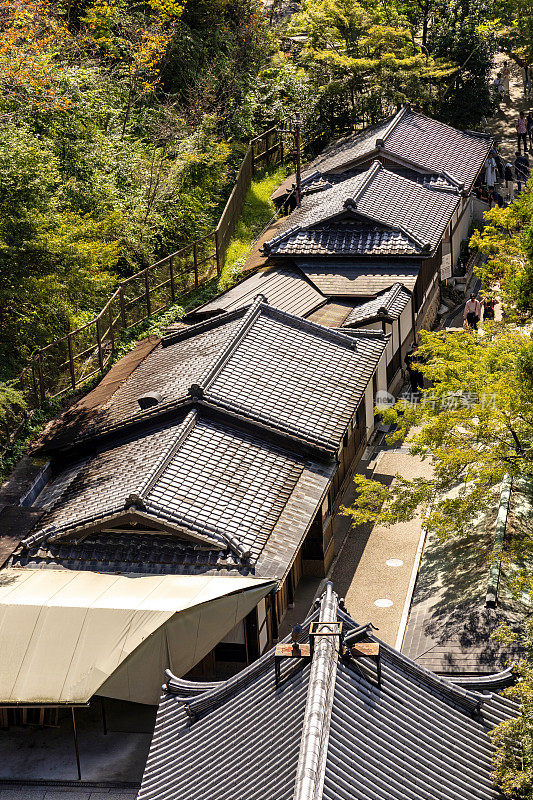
267 246
331 334
394 123
200 327
369 174
325 446
210 538
180 434
210 373
311 769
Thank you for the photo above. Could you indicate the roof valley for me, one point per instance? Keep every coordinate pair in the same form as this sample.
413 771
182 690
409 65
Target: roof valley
312 759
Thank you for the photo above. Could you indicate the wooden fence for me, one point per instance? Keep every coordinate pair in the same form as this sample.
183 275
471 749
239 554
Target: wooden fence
68 363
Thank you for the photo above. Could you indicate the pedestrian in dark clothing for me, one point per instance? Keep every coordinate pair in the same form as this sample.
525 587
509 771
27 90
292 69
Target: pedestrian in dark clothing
495 198
530 127
509 182
416 379
521 168
488 309
521 131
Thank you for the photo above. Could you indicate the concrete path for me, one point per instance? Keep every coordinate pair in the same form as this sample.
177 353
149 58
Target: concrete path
373 565
373 570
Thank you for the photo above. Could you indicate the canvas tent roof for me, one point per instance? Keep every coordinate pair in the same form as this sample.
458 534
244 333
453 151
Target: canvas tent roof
65 635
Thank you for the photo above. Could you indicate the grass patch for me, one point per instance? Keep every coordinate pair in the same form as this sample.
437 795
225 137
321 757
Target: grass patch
257 211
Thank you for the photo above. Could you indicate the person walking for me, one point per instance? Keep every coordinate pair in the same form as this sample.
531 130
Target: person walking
472 312
416 379
521 169
495 198
521 131
509 181
488 309
526 79
491 172
529 119
506 80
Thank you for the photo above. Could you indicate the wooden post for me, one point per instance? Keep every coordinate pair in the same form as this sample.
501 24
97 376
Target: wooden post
76 743
171 273
41 379
99 345
122 305
218 253
252 147
111 331
195 261
298 160
281 147
147 285
71 361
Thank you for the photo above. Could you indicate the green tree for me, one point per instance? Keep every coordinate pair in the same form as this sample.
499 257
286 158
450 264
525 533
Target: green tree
475 425
365 55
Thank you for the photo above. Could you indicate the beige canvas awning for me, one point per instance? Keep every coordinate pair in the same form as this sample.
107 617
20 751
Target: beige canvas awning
65 636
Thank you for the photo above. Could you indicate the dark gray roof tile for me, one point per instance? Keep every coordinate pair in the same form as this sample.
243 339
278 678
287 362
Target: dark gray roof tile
420 140
413 737
376 212
285 289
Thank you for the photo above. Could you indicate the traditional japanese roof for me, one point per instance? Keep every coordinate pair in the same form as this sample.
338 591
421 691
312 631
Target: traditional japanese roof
387 305
259 363
230 463
374 214
286 289
227 498
413 140
332 727
364 279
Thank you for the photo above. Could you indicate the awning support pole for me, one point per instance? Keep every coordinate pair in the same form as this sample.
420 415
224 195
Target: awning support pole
104 718
76 743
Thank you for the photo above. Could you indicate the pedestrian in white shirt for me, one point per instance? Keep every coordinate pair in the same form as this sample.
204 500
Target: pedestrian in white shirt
472 312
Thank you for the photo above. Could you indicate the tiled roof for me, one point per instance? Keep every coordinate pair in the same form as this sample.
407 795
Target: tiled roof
328 729
358 280
386 305
344 238
435 147
213 486
264 365
374 213
349 149
285 289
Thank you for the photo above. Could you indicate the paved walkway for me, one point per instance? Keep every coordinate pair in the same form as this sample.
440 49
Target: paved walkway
373 565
